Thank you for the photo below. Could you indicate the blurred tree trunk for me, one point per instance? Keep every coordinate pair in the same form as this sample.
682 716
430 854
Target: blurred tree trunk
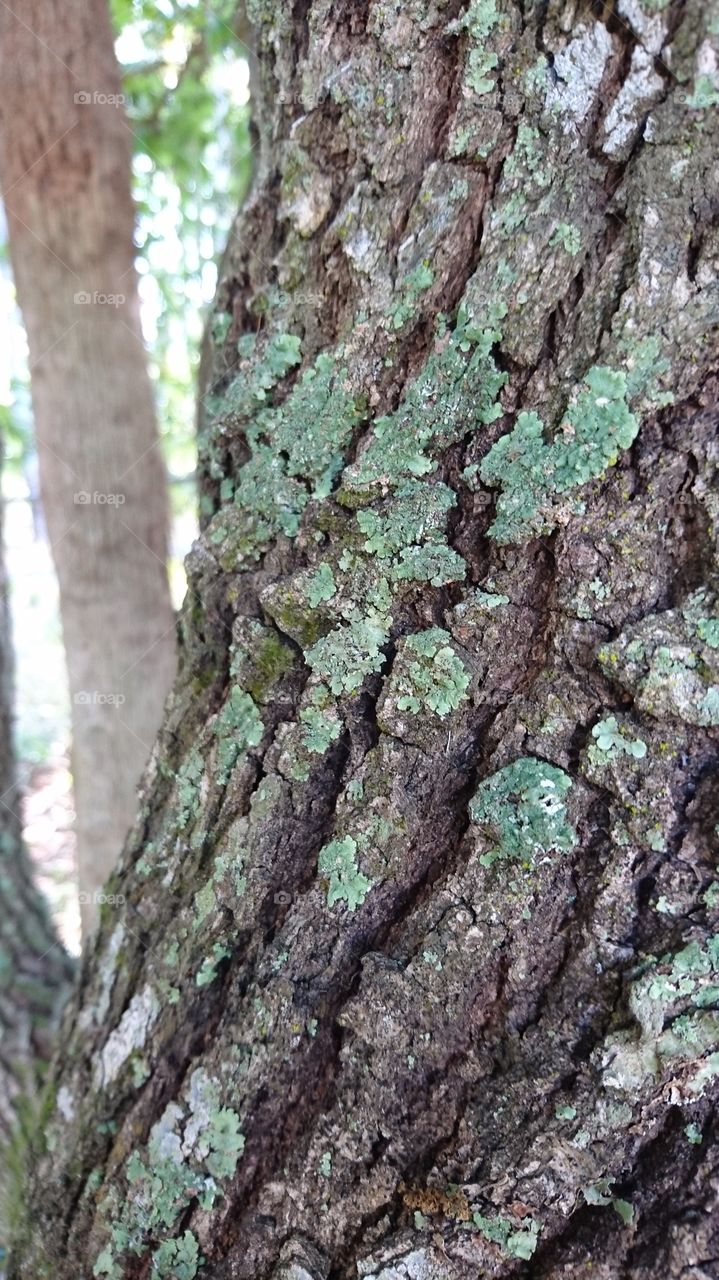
65 164
35 970
416 975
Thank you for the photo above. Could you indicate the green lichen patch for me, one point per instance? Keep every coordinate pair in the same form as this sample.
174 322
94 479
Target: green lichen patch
191 1147
611 740
670 664
189 777
177 1259
427 676
237 727
415 515
320 585
517 1242
478 22
455 392
351 651
260 658
346 883
414 284
533 474
320 724
675 1004
522 810
296 452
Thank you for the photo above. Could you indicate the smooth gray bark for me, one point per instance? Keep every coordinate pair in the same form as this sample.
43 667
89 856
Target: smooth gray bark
65 156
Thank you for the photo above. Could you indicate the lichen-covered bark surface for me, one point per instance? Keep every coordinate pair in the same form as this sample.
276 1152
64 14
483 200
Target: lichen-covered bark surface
417 970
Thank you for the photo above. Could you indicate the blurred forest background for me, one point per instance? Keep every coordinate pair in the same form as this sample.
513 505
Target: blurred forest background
186 87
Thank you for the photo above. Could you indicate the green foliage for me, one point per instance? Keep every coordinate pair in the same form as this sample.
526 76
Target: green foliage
434 678
611 741
533 474
337 861
522 806
190 129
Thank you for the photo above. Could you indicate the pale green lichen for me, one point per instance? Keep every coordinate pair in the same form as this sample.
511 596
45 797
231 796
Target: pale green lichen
522 807
675 1003
415 283
407 535
705 93
429 675
669 663
237 727
208 969
534 474
177 1259
226 1143
321 585
338 862
350 652
322 727
612 740
296 452
455 392
569 237
175 1170
517 1243
479 20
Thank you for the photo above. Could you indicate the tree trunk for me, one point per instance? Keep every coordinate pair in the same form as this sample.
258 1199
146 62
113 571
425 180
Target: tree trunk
65 160
35 971
416 974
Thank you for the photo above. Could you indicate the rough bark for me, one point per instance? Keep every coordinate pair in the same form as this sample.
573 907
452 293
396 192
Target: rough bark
416 975
35 970
65 161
